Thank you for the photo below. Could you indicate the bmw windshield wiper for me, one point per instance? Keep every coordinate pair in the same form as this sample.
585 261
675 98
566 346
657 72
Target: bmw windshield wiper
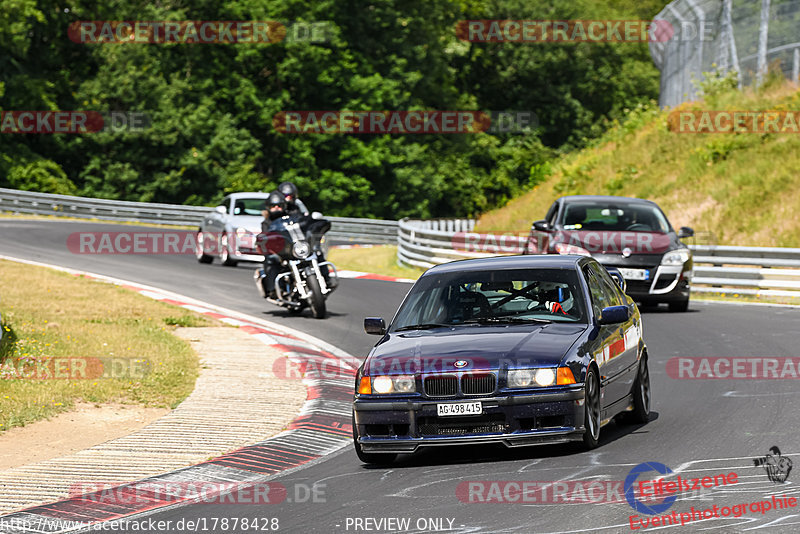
499 320
422 326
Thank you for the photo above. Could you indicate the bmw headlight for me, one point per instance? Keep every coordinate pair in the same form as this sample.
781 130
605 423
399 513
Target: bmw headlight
676 257
301 250
520 378
241 232
543 377
393 384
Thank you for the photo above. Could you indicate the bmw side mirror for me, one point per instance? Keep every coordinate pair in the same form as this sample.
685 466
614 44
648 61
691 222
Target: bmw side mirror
614 315
220 209
685 232
541 226
374 326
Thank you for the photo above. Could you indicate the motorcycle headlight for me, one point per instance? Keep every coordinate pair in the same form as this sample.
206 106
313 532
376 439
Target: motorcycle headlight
241 232
564 248
676 257
393 384
301 250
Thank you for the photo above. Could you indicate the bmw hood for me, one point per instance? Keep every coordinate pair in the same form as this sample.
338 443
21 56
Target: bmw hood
464 348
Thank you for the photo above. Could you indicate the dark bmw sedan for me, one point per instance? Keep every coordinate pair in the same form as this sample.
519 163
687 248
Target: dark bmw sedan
518 350
629 234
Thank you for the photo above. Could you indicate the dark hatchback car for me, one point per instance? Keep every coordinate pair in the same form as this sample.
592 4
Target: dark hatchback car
518 350
629 234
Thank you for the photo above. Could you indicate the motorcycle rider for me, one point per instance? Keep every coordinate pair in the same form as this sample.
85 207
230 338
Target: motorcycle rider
293 204
275 209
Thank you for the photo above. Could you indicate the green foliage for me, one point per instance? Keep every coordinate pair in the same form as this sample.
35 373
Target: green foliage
717 83
719 148
44 176
210 107
574 179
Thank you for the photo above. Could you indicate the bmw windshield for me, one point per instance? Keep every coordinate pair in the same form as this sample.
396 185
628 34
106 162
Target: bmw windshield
514 296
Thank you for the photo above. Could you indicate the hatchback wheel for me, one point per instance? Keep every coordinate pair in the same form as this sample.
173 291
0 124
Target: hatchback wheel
200 252
225 252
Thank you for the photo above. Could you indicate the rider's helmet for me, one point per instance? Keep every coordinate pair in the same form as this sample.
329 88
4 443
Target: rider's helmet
289 190
276 204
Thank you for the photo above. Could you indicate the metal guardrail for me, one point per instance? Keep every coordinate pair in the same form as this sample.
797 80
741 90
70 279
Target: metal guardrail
21 202
364 231
717 269
28 202
419 244
769 271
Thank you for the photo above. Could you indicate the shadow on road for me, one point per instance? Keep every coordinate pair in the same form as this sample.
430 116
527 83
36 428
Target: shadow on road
477 454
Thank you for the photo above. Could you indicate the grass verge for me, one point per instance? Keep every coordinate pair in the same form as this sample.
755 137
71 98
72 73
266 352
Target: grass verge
77 339
378 259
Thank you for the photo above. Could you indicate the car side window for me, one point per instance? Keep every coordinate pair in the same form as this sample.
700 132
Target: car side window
598 296
611 289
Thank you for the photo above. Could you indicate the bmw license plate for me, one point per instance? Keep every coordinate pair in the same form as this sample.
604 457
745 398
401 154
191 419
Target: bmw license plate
459 408
635 274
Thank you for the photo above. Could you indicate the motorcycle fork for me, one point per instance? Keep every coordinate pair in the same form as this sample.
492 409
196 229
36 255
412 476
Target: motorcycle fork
299 281
322 285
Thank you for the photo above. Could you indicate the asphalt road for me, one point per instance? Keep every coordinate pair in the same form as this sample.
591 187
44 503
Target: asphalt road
698 427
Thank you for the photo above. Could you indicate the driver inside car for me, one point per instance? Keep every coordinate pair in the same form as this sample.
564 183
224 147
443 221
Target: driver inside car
557 299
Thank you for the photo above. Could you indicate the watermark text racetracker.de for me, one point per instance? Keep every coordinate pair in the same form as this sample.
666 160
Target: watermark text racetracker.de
733 121
581 31
73 368
403 122
156 241
585 491
197 491
733 368
313 365
588 240
72 122
198 31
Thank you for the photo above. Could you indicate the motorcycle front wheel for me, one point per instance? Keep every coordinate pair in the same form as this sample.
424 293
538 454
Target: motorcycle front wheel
316 300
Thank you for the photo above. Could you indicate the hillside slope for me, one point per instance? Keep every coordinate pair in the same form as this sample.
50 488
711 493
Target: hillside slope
742 187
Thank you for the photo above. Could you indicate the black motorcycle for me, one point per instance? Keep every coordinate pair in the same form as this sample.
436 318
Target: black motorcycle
305 278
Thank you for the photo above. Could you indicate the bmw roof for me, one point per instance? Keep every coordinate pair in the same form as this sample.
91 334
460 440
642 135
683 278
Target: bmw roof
544 261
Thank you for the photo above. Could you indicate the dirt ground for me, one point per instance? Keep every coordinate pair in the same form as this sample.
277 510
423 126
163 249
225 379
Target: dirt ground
66 433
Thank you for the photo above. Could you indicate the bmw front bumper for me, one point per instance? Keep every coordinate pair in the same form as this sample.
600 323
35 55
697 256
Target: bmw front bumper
402 426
